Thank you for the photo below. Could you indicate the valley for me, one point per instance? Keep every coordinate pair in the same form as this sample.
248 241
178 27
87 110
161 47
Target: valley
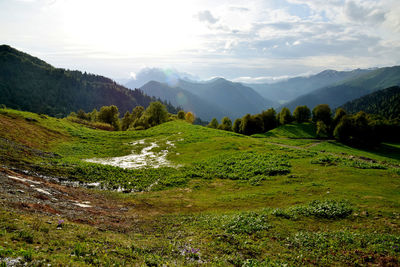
227 199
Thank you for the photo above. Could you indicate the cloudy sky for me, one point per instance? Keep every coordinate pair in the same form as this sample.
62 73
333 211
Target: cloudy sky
251 40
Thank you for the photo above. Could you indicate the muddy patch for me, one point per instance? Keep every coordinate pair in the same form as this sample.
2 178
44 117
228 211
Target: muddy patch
145 158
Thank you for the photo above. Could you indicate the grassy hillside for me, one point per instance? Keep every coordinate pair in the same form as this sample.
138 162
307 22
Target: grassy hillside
28 83
293 130
384 102
223 199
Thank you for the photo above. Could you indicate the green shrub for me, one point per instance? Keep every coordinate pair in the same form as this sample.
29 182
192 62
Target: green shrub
241 166
329 209
247 223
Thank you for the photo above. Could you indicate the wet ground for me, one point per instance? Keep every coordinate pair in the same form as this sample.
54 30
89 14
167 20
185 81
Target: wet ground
40 196
145 158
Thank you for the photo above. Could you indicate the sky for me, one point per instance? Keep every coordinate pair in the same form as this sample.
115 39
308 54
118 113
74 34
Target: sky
248 41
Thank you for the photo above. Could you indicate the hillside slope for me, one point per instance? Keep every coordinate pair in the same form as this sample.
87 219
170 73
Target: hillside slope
384 102
28 83
287 90
350 89
182 98
229 200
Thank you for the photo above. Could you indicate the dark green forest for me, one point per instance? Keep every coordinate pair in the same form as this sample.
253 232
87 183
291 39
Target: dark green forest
28 83
384 102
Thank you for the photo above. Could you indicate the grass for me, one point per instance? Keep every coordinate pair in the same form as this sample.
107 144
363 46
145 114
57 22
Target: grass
292 130
234 200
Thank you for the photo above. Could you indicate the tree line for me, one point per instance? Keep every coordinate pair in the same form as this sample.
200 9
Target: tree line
108 117
360 129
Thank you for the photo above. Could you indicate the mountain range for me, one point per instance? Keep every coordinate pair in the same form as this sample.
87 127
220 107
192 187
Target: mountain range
353 88
31 84
217 97
286 90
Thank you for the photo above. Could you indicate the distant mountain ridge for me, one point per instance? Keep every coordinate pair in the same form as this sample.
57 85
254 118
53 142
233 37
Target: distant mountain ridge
185 99
292 88
384 102
219 96
349 89
235 98
31 84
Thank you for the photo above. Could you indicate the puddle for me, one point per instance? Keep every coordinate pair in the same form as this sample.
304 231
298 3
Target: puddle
23 179
42 191
146 157
84 204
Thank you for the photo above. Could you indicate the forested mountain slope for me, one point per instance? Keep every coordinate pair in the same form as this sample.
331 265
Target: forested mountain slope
28 83
384 102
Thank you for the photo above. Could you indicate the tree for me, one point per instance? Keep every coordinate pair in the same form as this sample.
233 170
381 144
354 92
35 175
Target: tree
109 114
156 113
236 125
181 115
189 117
126 121
285 116
323 113
269 119
322 129
339 114
82 115
213 124
356 130
93 115
302 114
137 112
226 124
252 124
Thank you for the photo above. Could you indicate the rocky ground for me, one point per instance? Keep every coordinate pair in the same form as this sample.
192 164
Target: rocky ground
40 196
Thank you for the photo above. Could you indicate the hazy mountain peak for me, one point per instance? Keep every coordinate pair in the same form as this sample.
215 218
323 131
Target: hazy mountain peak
168 76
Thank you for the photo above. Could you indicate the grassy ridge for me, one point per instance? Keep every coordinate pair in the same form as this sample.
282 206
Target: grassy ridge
222 206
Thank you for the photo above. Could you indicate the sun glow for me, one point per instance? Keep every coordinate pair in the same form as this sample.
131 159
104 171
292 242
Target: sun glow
134 27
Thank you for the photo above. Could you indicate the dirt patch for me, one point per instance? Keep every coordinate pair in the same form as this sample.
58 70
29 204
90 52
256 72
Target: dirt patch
37 195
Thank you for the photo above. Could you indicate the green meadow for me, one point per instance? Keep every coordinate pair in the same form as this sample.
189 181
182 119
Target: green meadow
283 198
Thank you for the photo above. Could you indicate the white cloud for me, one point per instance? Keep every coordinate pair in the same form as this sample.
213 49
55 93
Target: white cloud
229 38
206 16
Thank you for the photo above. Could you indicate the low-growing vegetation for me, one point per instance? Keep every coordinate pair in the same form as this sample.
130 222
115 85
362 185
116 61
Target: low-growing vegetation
287 199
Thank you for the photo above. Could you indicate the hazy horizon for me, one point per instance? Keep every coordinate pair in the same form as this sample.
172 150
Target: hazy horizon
245 41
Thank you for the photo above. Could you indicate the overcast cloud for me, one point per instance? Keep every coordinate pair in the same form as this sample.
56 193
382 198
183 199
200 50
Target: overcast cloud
251 40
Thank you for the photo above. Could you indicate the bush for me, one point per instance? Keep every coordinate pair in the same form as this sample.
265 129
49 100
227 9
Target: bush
236 126
242 166
156 113
322 130
189 117
181 115
213 124
328 209
109 114
226 124
247 223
